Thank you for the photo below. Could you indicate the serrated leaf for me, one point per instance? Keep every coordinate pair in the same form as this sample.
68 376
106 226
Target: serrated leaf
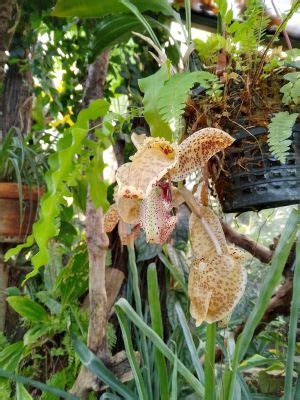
62 165
151 86
172 96
280 131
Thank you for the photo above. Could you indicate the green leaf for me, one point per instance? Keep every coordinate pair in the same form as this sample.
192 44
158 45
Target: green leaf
172 96
272 279
11 355
59 380
256 360
157 326
151 86
62 165
96 8
139 383
34 333
22 393
280 131
72 281
115 29
28 308
158 342
294 317
97 367
45 388
98 188
190 342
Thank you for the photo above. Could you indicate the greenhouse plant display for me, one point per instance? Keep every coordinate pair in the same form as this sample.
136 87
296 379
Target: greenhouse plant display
128 279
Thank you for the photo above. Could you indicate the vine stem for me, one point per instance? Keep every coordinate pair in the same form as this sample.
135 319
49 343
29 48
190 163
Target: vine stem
209 365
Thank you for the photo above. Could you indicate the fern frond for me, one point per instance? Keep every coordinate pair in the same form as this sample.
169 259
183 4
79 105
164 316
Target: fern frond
280 131
249 32
173 94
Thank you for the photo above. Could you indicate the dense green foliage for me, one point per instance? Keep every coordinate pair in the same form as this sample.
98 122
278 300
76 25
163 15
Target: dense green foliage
168 356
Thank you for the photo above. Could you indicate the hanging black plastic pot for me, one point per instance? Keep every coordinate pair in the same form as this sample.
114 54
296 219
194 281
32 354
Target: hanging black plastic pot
252 179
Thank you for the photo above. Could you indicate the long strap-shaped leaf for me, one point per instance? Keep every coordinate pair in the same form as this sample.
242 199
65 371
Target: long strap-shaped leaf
190 342
272 279
39 385
157 326
158 342
97 367
295 312
131 356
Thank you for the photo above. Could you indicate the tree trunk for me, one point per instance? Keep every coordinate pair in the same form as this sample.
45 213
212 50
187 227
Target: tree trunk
97 244
9 16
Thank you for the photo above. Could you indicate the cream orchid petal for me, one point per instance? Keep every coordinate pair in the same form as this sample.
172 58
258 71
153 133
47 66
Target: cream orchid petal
197 149
127 233
155 217
149 164
202 244
111 218
138 140
128 201
220 278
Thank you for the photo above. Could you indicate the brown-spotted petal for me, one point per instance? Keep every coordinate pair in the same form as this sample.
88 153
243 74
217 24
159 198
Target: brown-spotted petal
111 218
156 218
202 243
197 149
128 201
149 164
220 281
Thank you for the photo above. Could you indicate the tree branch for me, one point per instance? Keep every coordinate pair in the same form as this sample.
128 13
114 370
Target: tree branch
259 251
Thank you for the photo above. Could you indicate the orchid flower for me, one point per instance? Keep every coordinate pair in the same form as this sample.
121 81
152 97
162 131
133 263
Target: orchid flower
217 280
144 184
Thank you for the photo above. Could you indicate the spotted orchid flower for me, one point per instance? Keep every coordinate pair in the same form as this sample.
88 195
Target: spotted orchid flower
217 278
143 193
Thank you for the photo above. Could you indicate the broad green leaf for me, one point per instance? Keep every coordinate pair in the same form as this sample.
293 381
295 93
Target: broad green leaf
115 29
97 367
28 308
151 86
33 334
22 393
11 355
98 8
39 385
